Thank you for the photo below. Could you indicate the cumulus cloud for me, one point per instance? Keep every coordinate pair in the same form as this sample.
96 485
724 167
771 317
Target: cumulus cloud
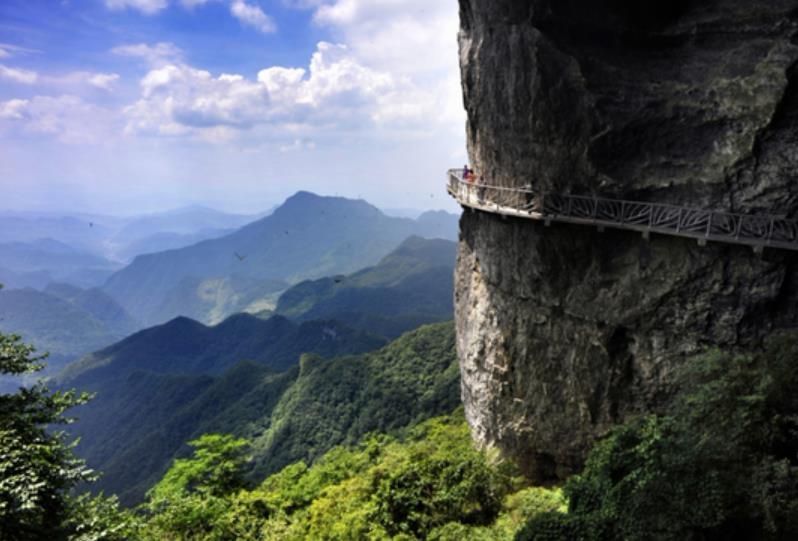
67 118
252 15
334 92
411 39
24 77
156 54
380 74
148 7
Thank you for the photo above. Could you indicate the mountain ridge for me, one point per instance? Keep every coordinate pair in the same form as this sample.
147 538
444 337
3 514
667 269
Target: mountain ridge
309 236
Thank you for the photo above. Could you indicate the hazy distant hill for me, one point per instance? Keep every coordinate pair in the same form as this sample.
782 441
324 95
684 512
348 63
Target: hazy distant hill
121 238
98 304
409 287
440 224
20 280
65 329
58 261
83 233
172 230
141 420
161 242
309 236
184 221
211 300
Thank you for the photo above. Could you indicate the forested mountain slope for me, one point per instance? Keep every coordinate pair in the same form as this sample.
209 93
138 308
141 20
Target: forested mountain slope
66 328
409 287
140 420
185 346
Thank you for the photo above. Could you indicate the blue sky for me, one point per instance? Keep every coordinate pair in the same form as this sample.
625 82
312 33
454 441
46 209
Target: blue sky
125 106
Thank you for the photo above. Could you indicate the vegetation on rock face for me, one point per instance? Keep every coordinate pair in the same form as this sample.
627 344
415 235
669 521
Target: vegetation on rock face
722 464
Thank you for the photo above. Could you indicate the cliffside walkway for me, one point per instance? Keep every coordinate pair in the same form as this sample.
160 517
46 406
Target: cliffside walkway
758 231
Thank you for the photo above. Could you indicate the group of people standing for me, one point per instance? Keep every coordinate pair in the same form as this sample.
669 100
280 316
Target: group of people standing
471 178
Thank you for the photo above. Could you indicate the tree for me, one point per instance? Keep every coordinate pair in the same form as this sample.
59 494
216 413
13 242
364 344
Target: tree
721 464
37 468
194 494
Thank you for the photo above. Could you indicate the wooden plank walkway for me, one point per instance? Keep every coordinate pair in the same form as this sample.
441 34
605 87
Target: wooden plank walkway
757 231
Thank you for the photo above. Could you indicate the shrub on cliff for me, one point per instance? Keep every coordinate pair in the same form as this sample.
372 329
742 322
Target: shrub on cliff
722 464
433 485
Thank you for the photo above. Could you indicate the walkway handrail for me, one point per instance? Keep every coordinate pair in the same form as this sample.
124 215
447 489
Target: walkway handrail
758 231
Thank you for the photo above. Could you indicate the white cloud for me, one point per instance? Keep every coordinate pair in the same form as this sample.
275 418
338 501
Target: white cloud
13 109
191 4
335 93
414 40
7 50
67 118
159 53
303 4
252 15
18 76
104 81
148 7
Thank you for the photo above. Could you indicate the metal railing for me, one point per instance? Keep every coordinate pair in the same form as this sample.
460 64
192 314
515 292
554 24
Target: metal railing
758 231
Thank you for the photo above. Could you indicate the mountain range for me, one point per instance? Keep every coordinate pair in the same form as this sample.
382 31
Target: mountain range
140 420
38 262
160 386
119 239
307 237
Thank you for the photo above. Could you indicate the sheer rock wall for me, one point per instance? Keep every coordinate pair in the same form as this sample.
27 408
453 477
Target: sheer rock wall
564 331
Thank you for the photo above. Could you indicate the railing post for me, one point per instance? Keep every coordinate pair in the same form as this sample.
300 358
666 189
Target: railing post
623 212
679 221
770 230
739 227
709 225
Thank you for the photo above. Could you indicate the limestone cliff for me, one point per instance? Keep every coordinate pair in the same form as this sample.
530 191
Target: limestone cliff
564 331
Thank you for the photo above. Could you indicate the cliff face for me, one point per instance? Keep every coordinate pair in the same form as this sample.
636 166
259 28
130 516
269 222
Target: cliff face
564 331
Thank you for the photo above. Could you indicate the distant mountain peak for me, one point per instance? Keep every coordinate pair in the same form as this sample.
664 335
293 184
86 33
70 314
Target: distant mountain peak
309 201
